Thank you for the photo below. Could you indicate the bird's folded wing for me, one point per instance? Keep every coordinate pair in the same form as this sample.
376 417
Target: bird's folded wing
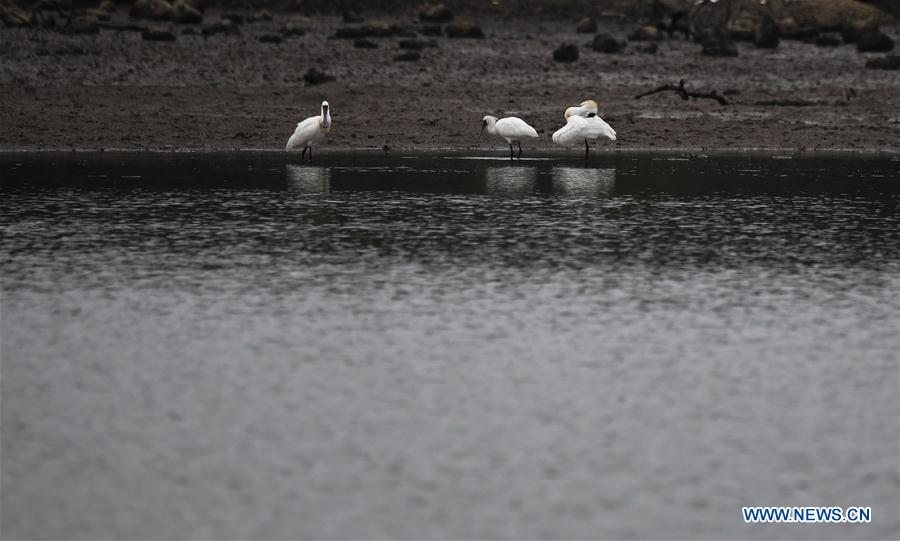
571 133
597 127
304 131
516 127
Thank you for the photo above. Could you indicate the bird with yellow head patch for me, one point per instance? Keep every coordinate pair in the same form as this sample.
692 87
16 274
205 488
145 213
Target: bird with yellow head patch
582 124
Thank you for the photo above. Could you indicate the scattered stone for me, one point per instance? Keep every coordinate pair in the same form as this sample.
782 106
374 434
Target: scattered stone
224 26
53 5
889 62
157 34
260 16
236 18
719 47
409 56
587 25
648 48
874 41
645 33
852 30
607 43
417 44
366 31
828 40
351 17
99 13
270 38
365 44
431 30
13 15
108 6
188 31
292 30
315 76
158 10
464 29
185 13
791 29
435 13
766 34
85 24
567 52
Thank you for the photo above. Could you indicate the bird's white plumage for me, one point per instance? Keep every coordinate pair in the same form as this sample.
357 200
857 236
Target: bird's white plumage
312 130
513 128
510 128
579 128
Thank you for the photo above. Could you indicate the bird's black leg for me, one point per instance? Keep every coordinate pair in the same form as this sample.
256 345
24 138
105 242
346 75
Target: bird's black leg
586 150
520 150
302 156
510 151
310 155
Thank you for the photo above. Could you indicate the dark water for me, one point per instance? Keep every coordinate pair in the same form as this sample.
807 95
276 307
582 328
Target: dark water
425 347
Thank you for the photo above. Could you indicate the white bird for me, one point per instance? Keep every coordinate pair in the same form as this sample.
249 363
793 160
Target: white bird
312 130
582 123
511 128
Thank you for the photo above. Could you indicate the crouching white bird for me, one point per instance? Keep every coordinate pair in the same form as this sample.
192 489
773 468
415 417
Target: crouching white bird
582 123
511 128
312 130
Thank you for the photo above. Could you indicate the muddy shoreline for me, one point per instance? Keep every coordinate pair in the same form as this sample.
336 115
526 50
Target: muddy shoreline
114 90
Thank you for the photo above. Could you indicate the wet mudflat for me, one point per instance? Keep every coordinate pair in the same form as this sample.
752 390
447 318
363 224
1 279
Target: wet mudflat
238 346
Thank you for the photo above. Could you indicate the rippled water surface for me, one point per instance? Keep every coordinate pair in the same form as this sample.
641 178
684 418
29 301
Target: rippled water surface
238 346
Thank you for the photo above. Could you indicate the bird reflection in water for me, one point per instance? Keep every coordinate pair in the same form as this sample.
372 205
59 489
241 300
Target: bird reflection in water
511 180
308 179
584 181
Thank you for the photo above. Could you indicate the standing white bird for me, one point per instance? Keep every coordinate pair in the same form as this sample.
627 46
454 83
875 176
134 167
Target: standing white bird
582 123
312 130
510 128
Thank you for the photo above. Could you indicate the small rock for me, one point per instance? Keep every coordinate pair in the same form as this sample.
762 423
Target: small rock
13 15
260 16
607 43
270 38
85 24
789 28
188 31
365 44
292 29
351 17
315 76
874 41
828 40
224 26
417 44
766 34
567 52
889 62
236 18
587 25
185 13
158 10
720 47
435 13
463 29
431 30
108 6
53 5
853 29
99 13
649 48
157 34
645 33
410 56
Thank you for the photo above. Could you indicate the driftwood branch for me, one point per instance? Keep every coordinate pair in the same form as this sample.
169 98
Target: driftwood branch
684 93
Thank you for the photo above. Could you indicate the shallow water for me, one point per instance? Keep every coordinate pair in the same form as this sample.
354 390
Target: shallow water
208 346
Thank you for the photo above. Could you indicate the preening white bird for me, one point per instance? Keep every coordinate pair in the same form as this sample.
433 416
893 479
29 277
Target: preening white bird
312 130
581 128
511 128
585 109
